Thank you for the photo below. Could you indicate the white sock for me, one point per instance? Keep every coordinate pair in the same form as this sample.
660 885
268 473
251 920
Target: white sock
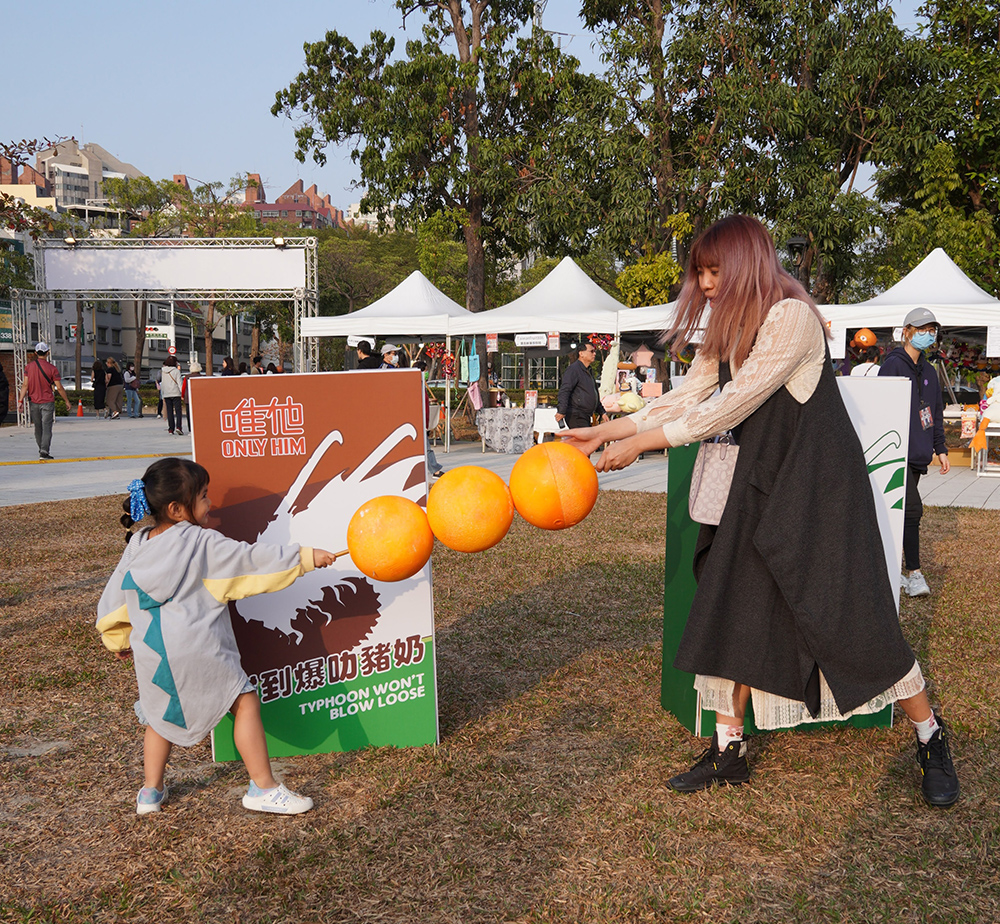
926 729
727 734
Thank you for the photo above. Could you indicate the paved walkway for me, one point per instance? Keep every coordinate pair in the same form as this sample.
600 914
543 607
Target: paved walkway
100 457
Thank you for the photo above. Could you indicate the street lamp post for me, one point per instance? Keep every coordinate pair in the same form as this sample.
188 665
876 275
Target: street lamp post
796 248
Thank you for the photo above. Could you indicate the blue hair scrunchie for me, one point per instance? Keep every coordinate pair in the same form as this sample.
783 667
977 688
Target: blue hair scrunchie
139 505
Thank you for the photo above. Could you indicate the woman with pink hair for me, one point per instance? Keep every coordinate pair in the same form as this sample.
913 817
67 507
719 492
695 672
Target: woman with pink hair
778 615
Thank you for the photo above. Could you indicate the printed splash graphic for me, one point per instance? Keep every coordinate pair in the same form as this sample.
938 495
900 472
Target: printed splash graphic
887 468
339 661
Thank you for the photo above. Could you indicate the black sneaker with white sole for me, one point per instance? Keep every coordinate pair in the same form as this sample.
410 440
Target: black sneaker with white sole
729 766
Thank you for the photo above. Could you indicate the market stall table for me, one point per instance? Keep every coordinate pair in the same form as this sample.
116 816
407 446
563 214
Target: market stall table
505 429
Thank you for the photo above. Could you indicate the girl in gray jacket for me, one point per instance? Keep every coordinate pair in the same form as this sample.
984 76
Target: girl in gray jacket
167 606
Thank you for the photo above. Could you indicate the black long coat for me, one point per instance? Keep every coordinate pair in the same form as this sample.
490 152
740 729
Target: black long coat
793 579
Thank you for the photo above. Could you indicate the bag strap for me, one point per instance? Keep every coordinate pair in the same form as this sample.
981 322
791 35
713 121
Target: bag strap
40 369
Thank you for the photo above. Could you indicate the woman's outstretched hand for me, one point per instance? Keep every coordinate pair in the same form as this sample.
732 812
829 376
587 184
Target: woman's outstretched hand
586 439
619 455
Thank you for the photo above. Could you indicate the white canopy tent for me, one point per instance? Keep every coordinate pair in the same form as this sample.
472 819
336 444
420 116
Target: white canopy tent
935 283
650 317
565 300
416 306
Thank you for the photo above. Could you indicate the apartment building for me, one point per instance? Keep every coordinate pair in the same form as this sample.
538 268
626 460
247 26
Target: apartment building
304 208
76 174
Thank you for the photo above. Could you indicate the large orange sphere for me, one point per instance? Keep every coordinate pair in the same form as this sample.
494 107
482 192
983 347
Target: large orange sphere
389 538
469 508
553 485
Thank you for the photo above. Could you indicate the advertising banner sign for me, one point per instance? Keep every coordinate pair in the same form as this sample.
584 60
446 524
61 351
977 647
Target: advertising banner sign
6 324
160 332
340 661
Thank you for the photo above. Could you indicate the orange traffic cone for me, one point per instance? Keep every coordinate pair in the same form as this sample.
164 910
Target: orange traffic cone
79 408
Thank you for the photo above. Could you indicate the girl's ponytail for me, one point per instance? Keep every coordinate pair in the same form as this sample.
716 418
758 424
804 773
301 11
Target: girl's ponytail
165 481
136 506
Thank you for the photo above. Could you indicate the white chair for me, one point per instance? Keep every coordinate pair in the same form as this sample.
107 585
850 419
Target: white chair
545 422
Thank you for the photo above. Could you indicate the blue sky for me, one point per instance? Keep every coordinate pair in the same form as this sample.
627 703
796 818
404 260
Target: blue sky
187 87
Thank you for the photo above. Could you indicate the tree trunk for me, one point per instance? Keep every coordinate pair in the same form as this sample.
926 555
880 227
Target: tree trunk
79 344
209 334
140 312
475 289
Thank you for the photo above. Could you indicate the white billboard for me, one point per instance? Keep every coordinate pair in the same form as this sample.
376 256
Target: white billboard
181 267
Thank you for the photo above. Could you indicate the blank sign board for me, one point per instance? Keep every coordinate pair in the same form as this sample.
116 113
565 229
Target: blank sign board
185 267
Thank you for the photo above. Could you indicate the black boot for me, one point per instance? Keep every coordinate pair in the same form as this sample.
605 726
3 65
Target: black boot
940 782
715 766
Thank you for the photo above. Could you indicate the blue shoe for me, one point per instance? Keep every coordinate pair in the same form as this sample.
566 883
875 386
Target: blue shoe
150 800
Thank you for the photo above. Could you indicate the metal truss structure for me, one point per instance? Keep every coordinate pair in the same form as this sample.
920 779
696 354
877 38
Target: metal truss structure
305 298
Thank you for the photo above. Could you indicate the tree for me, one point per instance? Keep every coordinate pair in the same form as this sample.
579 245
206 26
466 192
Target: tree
357 266
17 269
15 214
494 134
769 107
442 258
667 131
970 240
961 37
834 85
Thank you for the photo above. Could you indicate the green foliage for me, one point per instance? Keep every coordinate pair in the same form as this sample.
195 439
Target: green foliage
358 266
15 215
498 131
213 209
963 34
17 269
443 260
649 280
970 240
769 108
147 203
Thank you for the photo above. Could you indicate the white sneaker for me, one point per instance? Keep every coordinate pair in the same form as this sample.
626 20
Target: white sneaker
904 583
150 800
917 585
279 801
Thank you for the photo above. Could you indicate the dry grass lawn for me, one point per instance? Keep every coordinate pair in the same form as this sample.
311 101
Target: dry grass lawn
546 799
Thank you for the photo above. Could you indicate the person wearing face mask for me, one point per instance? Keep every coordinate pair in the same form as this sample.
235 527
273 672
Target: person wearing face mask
920 332
390 356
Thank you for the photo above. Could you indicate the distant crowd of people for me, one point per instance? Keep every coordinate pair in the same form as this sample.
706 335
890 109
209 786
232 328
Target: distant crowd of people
116 390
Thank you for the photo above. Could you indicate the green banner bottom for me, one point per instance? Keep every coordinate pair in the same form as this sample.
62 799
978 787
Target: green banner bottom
397 707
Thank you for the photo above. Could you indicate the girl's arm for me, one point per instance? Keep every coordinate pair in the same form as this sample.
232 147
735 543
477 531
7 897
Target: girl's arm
240 569
113 621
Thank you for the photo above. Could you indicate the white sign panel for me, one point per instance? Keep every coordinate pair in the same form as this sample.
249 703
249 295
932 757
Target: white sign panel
177 267
838 345
879 407
531 340
993 341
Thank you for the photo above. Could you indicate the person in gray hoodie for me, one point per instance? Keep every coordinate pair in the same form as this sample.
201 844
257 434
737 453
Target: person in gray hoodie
167 607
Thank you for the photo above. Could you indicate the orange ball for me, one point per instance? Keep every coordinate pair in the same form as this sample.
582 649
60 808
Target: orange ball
389 538
553 485
469 508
